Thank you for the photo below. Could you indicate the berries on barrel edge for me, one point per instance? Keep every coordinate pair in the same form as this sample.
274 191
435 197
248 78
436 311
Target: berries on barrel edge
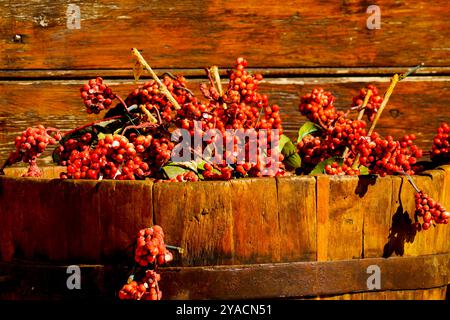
431 211
440 150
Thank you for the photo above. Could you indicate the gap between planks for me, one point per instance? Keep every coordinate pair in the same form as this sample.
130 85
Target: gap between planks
275 81
72 74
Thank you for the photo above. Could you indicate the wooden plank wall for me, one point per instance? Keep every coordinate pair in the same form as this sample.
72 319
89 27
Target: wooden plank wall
44 57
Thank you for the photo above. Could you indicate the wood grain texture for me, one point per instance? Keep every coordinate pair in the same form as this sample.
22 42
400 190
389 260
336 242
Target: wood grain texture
339 217
416 106
197 218
376 200
244 221
403 278
346 215
56 220
192 34
256 219
323 216
296 197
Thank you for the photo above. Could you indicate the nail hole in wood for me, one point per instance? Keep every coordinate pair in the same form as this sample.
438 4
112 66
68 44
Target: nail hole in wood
18 38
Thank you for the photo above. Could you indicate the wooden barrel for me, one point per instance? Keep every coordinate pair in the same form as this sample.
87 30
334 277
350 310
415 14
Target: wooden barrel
293 237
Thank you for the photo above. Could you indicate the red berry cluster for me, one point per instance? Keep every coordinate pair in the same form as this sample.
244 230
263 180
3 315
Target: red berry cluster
318 107
142 152
373 104
30 145
184 177
65 149
150 251
247 109
155 102
343 137
388 156
150 247
337 136
147 289
97 96
440 151
430 211
344 169
239 108
310 149
114 157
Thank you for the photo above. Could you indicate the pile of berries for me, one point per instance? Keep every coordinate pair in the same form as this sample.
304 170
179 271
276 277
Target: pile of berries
96 95
318 107
150 247
430 211
373 104
388 156
344 169
440 151
114 157
241 107
343 137
150 251
146 289
150 96
64 150
30 145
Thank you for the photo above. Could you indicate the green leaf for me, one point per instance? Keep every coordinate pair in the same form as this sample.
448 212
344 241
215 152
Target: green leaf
101 136
289 151
173 171
363 171
284 139
305 129
108 126
320 167
201 167
294 161
55 157
190 165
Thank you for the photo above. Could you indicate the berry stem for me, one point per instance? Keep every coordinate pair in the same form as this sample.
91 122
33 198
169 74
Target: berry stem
150 117
123 103
143 125
394 80
91 124
163 88
387 95
179 249
128 113
360 116
215 72
365 102
410 180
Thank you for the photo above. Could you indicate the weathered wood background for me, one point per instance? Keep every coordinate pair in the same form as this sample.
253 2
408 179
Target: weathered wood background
296 44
